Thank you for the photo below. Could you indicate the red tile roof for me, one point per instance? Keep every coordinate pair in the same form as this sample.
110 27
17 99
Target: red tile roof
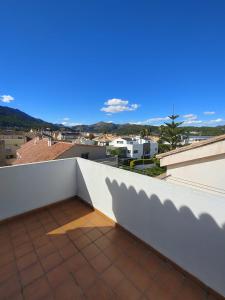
38 150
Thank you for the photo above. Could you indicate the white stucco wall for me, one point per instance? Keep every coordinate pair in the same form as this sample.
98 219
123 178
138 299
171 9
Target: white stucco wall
206 173
30 186
184 224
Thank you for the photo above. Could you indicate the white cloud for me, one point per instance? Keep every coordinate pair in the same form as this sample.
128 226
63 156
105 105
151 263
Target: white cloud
219 120
116 101
204 122
69 124
190 117
158 119
154 121
6 98
192 122
66 119
115 105
209 113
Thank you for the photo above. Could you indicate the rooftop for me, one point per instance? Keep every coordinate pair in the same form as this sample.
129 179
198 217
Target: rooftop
193 146
70 251
38 150
113 236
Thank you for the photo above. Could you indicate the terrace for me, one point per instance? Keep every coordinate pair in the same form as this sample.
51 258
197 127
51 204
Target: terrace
116 235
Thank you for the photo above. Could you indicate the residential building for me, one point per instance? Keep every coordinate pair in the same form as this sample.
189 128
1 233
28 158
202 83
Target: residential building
2 153
190 139
76 229
200 165
66 135
84 141
136 147
44 149
13 141
105 139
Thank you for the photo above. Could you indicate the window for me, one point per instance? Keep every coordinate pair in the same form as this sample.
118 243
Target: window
85 155
128 151
135 151
119 142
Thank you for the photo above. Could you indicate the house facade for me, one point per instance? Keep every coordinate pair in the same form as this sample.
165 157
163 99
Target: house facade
136 147
200 165
13 141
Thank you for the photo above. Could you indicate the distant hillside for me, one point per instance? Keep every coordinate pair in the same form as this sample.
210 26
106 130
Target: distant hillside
103 127
15 118
123 129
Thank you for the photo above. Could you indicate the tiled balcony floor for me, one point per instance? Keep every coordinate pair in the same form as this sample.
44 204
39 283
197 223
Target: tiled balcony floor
69 251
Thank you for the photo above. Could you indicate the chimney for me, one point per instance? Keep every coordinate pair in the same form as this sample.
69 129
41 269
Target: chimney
49 142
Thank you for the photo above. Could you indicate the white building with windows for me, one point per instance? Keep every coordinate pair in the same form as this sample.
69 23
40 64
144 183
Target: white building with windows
136 147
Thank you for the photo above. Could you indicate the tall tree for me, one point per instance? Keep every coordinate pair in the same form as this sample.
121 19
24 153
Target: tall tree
171 132
145 132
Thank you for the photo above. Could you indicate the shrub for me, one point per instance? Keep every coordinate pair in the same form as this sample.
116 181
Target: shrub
136 162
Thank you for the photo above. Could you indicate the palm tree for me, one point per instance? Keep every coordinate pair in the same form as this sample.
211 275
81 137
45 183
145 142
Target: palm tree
145 132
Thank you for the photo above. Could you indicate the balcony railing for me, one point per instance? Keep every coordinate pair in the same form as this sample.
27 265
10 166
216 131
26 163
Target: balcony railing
183 224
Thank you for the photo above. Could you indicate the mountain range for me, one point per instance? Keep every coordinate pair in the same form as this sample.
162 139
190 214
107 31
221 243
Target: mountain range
16 119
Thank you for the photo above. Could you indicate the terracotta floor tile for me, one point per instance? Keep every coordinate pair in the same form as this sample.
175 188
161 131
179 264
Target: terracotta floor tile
113 252
91 251
75 233
85 277
68 250
106 229
17 241
50 226
75 262
31 273
152 264
158 292
6 246
169 278
58 275
10 287
26 260
99 291
100 262
126 290
6 258
82 242
23 249
68 291
191 291
36 233
112 276
81 251
7 271
16 296
51 261
41 241
37 290
94 234
125 264
139 277
103 242
60 241
46 250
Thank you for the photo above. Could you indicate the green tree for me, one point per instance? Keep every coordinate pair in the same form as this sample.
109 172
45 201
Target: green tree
145 132
171 132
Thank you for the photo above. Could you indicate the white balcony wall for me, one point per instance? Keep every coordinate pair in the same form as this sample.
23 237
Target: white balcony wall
30 186
183 224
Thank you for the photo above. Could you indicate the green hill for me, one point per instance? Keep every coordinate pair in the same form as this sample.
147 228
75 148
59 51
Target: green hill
15 118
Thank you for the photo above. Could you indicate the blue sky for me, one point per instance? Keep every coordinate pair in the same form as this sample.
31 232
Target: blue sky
84 61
